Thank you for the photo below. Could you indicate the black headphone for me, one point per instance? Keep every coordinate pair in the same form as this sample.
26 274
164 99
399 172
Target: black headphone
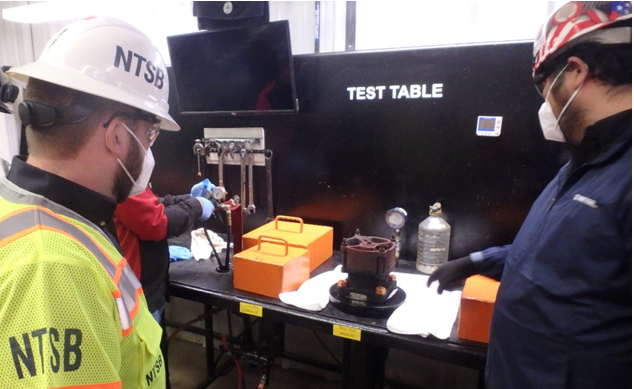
36 114
44 115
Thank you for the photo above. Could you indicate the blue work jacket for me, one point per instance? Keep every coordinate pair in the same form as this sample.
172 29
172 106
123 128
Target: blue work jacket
563 315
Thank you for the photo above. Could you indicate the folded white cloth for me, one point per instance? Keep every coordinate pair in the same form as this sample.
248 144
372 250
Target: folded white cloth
200 246
424 311
313 294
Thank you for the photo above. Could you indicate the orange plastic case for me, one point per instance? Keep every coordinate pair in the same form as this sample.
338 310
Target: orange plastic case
316 239
271 267
476 308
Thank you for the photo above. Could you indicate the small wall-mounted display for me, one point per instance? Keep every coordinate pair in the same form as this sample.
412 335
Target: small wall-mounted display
489 126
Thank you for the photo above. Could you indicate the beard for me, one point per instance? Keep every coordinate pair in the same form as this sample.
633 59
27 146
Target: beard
122 184
573 119
571 123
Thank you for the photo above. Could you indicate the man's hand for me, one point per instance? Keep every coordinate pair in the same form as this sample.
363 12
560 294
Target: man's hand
452 274
208 208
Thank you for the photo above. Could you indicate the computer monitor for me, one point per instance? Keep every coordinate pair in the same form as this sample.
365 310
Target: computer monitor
246 70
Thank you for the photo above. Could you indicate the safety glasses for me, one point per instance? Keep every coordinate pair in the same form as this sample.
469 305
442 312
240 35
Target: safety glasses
540 83
153 132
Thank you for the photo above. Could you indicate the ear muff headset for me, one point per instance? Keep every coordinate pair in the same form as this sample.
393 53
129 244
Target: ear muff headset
43 115
36 114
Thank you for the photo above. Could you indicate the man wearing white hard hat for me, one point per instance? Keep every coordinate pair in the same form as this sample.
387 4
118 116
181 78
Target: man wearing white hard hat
73 314
563 313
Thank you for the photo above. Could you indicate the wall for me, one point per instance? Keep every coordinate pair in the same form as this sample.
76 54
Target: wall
378 25
344 163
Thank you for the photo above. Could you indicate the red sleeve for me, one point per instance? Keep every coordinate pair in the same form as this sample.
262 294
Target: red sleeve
129 243
143 215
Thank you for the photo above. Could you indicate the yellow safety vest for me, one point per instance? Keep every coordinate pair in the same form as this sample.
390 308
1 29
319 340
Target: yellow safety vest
72 312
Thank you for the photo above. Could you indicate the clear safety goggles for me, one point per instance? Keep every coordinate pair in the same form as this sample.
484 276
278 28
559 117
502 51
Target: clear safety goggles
154 130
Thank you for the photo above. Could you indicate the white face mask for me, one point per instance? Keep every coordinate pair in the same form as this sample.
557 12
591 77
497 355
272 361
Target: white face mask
140 183
547 119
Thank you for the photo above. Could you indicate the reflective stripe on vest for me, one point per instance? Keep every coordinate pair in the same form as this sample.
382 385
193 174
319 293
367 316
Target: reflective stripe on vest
110 385
32 218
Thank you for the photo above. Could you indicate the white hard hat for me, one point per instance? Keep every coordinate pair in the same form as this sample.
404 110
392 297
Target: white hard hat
106 57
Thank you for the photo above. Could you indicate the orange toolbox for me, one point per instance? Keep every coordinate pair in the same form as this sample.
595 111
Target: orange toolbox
476 308
270 267
316 239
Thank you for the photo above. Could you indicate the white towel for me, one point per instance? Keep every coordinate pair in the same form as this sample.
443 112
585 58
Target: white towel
314 293
424 311
200 246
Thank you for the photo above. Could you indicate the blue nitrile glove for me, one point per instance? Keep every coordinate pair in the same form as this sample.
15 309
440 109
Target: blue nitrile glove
208 209
179 253
202 188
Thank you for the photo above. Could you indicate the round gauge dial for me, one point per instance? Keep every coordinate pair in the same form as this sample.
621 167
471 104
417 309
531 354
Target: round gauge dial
218 193
396 217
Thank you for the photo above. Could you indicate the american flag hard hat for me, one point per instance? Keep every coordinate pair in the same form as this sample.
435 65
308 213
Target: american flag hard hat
578 21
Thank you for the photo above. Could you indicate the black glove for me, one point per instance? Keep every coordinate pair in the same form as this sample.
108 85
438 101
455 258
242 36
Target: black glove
451 275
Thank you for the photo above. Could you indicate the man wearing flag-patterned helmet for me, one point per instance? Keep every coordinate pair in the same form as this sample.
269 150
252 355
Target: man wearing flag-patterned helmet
563 314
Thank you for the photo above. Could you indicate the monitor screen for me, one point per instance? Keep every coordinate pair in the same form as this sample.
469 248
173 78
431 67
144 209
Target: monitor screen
243 70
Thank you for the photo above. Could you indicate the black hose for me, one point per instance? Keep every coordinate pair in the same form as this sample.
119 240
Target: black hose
225 268
212 245
228 254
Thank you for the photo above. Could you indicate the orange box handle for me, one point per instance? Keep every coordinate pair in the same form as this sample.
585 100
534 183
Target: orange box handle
273 238
291 218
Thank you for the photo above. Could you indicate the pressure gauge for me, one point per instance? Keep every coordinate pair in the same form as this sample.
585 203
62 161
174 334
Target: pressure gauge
396 218
218 193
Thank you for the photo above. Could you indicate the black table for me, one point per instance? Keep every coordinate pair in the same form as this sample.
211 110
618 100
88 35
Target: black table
363 364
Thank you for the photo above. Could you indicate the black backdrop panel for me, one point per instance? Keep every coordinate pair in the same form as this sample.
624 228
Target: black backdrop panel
344 161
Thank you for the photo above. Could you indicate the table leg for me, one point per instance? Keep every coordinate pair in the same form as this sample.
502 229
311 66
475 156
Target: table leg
209 341
363 365
481 384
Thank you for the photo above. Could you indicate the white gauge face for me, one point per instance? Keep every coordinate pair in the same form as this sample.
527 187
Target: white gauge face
218 193
396 217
